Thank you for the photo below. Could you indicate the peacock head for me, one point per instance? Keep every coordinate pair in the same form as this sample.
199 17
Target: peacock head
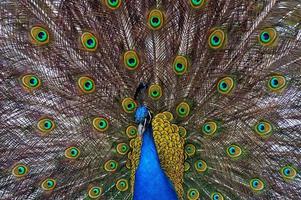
143 118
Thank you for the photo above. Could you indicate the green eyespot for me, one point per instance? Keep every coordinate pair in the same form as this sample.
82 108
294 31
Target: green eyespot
256 184
264 128
234 151
45 125
200 166
180 65
225 85
217 39
131 131
182 131
72 153
89 41
94 192
193 194
113 4
190 150
122 185
48 184
20 170
129 105
183 109
86 85
100 124
155 91
31 82
131 60
197 4
155 19
267 37
210 128
288 172
122 148
277 83
39 35
216 196
111 166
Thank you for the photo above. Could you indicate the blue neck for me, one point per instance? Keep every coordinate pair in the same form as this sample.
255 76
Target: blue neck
151 182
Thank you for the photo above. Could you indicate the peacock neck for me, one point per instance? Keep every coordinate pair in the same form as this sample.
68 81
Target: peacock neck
151 182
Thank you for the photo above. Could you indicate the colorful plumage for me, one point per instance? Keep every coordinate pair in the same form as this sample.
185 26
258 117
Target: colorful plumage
131 99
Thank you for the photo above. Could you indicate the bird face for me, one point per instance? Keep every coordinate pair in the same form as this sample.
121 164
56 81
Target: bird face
142 118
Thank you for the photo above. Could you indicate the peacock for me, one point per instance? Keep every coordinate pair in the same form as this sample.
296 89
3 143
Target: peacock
150 99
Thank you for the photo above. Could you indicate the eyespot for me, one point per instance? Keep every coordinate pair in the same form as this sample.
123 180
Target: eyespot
94 192
197 4
111 166
217 39
155 92
225 85
180 65
190 149
267 37
113 4
48 184
89 41
209 128
256 184
193 194
122 185
182 131
72 153
288 172
20 170
100 124
234 151
131 60
31 82
39 35
122 148
216 196
264 129
186 166
86 85
155 19
183 109
277 83
46 125
129 105
131 131
200 166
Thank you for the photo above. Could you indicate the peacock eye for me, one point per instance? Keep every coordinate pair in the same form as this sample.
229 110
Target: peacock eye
256 184
209 128
122 148
197 4
113 4
86 85
20 170
131 60
48 184
288 173
180 65
122 185
216 196
190 149
263 129
183 109
225 85
200 166
131 131
111 166
129 105
46 125
216 39
277 83
89 41
100 124
234 151
193 194
94 192
155 91
39 35
155 19
31 82
267 37
72 153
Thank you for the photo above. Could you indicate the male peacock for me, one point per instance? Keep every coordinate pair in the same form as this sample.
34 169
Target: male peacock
150 100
